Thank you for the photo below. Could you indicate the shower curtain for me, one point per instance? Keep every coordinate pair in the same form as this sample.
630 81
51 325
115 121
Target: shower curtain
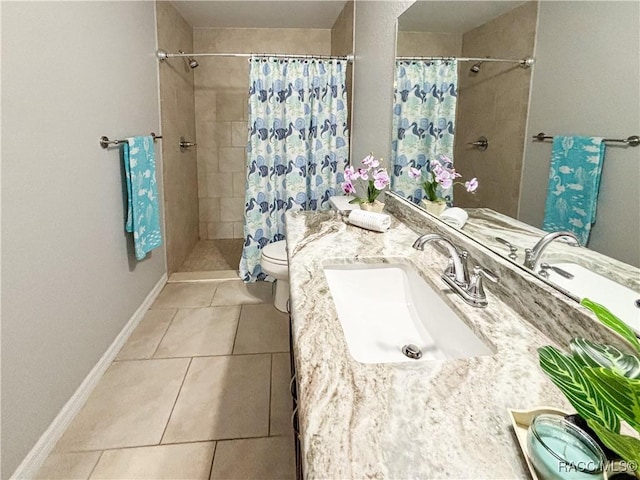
297 149
424 114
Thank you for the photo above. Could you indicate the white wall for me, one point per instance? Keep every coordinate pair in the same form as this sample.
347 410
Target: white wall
373 70
71 72
586 81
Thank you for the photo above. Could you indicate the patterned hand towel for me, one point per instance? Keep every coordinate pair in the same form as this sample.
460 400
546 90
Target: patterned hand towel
143 213
574 180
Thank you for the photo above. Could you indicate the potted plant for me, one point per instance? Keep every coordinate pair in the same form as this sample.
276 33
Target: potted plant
603 385
374 178
436 174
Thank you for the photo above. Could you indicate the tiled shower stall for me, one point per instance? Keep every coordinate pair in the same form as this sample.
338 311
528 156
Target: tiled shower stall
205 187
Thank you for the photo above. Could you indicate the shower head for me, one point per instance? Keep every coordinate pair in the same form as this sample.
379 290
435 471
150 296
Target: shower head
476 67
193 63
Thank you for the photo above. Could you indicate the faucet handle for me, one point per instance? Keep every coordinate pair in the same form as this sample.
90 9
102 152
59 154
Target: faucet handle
488 274
512 249
475 290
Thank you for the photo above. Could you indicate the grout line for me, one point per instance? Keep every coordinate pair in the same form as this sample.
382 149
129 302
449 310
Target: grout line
199 356
146 445
175 402
213 457
213 295
235 337
270 393
216 440
94 467
164 335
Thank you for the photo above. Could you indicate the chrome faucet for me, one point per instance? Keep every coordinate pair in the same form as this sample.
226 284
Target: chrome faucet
456 275
533 255
457 268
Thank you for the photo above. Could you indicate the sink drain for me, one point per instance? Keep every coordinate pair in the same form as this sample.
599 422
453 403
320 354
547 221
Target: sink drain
412 351
637 303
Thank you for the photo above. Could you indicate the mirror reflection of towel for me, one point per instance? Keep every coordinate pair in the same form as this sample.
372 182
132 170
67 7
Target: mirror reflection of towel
143 213
574 181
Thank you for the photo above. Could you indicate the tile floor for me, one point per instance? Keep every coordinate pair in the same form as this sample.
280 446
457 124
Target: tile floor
214 255
199 391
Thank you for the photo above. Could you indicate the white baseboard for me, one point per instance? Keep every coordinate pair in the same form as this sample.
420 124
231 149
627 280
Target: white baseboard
43 447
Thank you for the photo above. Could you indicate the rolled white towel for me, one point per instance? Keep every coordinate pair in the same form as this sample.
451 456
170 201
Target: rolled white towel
456 217
378 222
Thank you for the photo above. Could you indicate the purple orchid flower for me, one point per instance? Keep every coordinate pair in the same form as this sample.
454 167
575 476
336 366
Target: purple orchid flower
471 185
414 172
381 179
350 174
347 187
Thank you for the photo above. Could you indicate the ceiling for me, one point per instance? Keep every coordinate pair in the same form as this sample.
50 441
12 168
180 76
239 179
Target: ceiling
438 16
452 16
261 13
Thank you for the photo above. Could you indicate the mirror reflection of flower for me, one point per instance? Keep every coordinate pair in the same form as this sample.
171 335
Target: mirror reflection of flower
374 178
440 173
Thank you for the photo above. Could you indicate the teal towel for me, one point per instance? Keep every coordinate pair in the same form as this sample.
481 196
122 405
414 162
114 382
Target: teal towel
574 180
143 212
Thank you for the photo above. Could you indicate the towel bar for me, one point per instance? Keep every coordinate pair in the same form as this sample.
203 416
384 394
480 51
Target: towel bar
105 142
632 141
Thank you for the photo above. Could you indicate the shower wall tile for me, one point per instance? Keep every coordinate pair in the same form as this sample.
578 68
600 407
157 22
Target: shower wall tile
210 208
212 164
494 103
213 134
180 172
231 210
221 112
238 229
206 101
203 230
220 185
220 230
232 159
230 106
239 134
239 184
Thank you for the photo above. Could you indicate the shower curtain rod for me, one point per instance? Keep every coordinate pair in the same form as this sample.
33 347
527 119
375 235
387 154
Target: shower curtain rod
163 55
524 63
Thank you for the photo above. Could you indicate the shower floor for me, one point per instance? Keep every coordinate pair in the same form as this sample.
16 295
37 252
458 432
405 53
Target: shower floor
214 255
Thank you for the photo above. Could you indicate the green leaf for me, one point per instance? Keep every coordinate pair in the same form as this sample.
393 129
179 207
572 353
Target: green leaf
621 394
611 321
627 447
358 200
592 354
570 379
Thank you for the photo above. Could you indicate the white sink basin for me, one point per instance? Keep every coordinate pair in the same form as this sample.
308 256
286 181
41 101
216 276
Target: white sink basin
383 307
620 300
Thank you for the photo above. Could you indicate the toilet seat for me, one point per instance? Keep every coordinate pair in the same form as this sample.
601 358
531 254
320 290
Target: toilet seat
276 253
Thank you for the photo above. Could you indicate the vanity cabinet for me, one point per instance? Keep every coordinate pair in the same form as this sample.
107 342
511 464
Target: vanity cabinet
295 421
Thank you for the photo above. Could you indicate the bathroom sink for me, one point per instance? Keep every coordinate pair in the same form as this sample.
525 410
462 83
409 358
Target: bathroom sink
385 306
620 300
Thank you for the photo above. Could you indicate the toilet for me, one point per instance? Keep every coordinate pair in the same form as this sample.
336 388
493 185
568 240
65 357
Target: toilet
274 263
274 257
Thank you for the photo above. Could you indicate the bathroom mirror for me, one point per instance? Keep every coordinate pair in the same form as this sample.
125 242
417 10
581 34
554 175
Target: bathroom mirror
508 105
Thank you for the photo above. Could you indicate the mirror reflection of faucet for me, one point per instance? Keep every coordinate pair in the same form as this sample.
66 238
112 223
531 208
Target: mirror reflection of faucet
512 249
533 255
545 267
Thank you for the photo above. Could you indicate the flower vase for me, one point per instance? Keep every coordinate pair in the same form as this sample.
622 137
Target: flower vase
434 207
376 206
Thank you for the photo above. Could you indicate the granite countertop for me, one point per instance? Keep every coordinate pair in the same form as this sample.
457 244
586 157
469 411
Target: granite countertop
433 419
